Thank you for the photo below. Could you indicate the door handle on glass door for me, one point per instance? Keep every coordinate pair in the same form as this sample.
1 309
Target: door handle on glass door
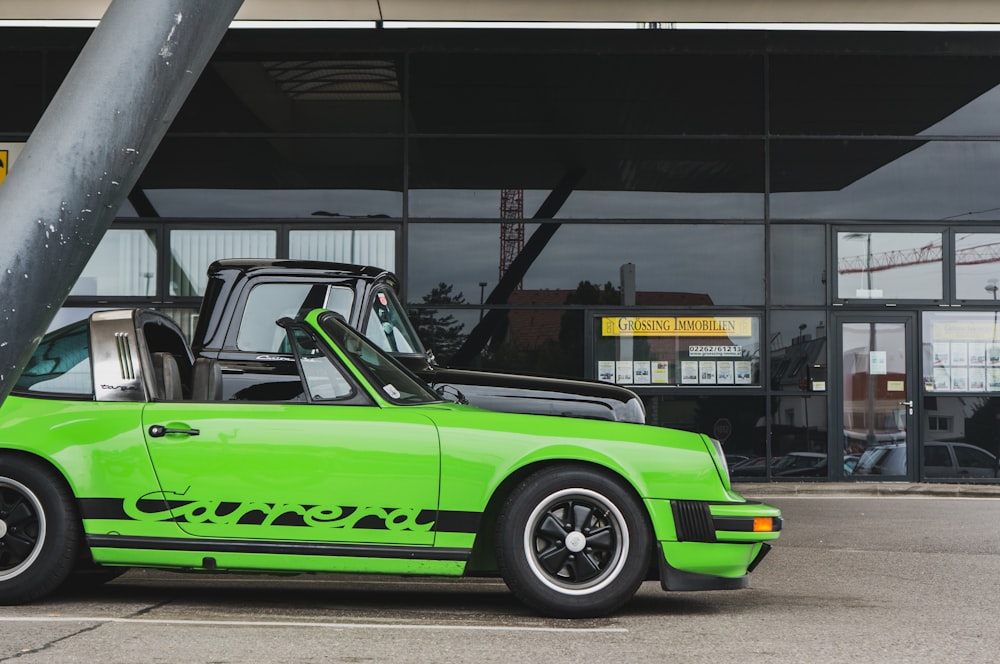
909 406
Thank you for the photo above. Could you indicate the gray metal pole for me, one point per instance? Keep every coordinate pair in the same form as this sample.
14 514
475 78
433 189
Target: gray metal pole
87 152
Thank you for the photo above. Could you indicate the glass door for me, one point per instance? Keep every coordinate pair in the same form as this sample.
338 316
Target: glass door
877 395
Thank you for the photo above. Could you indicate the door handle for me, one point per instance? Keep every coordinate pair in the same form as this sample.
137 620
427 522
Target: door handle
909 406
159 431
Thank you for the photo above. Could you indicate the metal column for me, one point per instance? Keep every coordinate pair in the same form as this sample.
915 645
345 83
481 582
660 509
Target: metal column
87 152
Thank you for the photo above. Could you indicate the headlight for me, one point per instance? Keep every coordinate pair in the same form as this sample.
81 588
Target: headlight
720 461
633 411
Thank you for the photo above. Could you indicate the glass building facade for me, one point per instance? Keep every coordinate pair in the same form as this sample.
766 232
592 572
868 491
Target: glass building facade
789 241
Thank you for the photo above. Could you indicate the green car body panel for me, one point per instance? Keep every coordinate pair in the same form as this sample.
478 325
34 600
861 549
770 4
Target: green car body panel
360 483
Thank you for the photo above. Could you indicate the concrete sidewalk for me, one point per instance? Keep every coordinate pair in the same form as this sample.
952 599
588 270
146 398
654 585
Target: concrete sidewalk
831 489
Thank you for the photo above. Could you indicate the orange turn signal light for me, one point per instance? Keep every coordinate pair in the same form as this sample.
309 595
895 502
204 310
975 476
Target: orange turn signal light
763 524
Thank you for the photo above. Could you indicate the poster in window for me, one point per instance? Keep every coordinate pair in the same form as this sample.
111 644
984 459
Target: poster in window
993 355
640 372
959 379
725 372
977 379
706 372
993 379
661 372
959 354
623 372
942 380
744 374
689 372
942 353
977 355
606 371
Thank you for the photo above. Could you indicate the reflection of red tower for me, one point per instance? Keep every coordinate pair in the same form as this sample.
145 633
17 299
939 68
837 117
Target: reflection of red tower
511 227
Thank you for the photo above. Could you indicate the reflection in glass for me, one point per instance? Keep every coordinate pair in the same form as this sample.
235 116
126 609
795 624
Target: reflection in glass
267 177
798 351
977 266
538 341
798 261
675 265
360 247
735 421
961 439
292 93
315 204
542 92
590 178
880 266
798 442
702 351
124 264
191 252
893 95
885 179
961 351
874 389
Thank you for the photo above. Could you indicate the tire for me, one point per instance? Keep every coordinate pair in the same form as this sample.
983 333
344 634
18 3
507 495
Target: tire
39 531
573 543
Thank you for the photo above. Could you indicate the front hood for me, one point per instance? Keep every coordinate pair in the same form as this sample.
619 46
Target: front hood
539 395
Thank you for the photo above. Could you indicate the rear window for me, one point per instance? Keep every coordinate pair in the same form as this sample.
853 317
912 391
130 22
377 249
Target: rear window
60 364
267 303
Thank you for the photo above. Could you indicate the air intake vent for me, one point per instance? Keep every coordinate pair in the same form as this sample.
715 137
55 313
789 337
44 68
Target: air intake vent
693 521
125 356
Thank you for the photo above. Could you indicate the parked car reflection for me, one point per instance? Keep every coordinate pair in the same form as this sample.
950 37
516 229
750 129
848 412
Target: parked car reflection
794 464
942 460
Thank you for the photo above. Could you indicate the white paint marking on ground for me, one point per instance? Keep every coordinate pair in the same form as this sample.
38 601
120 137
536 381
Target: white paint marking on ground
324 625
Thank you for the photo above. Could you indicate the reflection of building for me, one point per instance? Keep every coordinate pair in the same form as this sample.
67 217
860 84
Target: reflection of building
730 167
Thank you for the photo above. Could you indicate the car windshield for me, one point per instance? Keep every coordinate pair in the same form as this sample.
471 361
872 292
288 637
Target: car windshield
389 377
389 327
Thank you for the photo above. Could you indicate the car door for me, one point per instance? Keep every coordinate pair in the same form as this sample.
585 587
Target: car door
327 470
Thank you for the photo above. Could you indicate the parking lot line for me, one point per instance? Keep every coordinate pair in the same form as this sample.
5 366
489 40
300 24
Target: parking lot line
323 625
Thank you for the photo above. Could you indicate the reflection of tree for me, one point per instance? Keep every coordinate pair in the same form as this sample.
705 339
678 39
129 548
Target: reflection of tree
982 428
443 334
562 356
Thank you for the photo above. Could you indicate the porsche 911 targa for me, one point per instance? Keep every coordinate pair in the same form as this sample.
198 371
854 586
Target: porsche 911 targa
117 451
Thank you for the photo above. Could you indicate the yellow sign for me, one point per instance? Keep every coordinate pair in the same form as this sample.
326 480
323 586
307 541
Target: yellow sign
966 330
3 165
676 326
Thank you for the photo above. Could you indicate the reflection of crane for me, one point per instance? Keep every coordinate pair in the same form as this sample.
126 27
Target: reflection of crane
931 253
511 227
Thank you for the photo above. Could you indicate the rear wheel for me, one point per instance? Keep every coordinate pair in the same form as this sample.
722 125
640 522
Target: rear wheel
39 532
573 542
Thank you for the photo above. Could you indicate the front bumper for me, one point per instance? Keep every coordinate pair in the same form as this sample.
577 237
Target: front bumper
712 546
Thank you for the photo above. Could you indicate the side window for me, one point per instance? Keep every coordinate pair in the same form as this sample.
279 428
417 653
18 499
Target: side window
60 364
267 303
324 379
937 455
388 326
969 457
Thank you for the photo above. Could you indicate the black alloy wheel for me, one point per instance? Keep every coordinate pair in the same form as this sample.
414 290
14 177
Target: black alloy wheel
573 542
39 530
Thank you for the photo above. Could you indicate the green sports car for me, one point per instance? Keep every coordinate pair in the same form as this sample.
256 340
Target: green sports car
117 451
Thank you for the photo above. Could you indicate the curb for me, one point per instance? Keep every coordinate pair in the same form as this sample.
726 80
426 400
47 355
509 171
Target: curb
839 489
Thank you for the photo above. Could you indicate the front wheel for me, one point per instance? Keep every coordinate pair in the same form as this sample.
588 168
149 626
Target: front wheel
573 542
39 532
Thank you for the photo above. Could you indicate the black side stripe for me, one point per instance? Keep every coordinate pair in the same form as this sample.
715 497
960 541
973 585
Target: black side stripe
278 548
447 521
